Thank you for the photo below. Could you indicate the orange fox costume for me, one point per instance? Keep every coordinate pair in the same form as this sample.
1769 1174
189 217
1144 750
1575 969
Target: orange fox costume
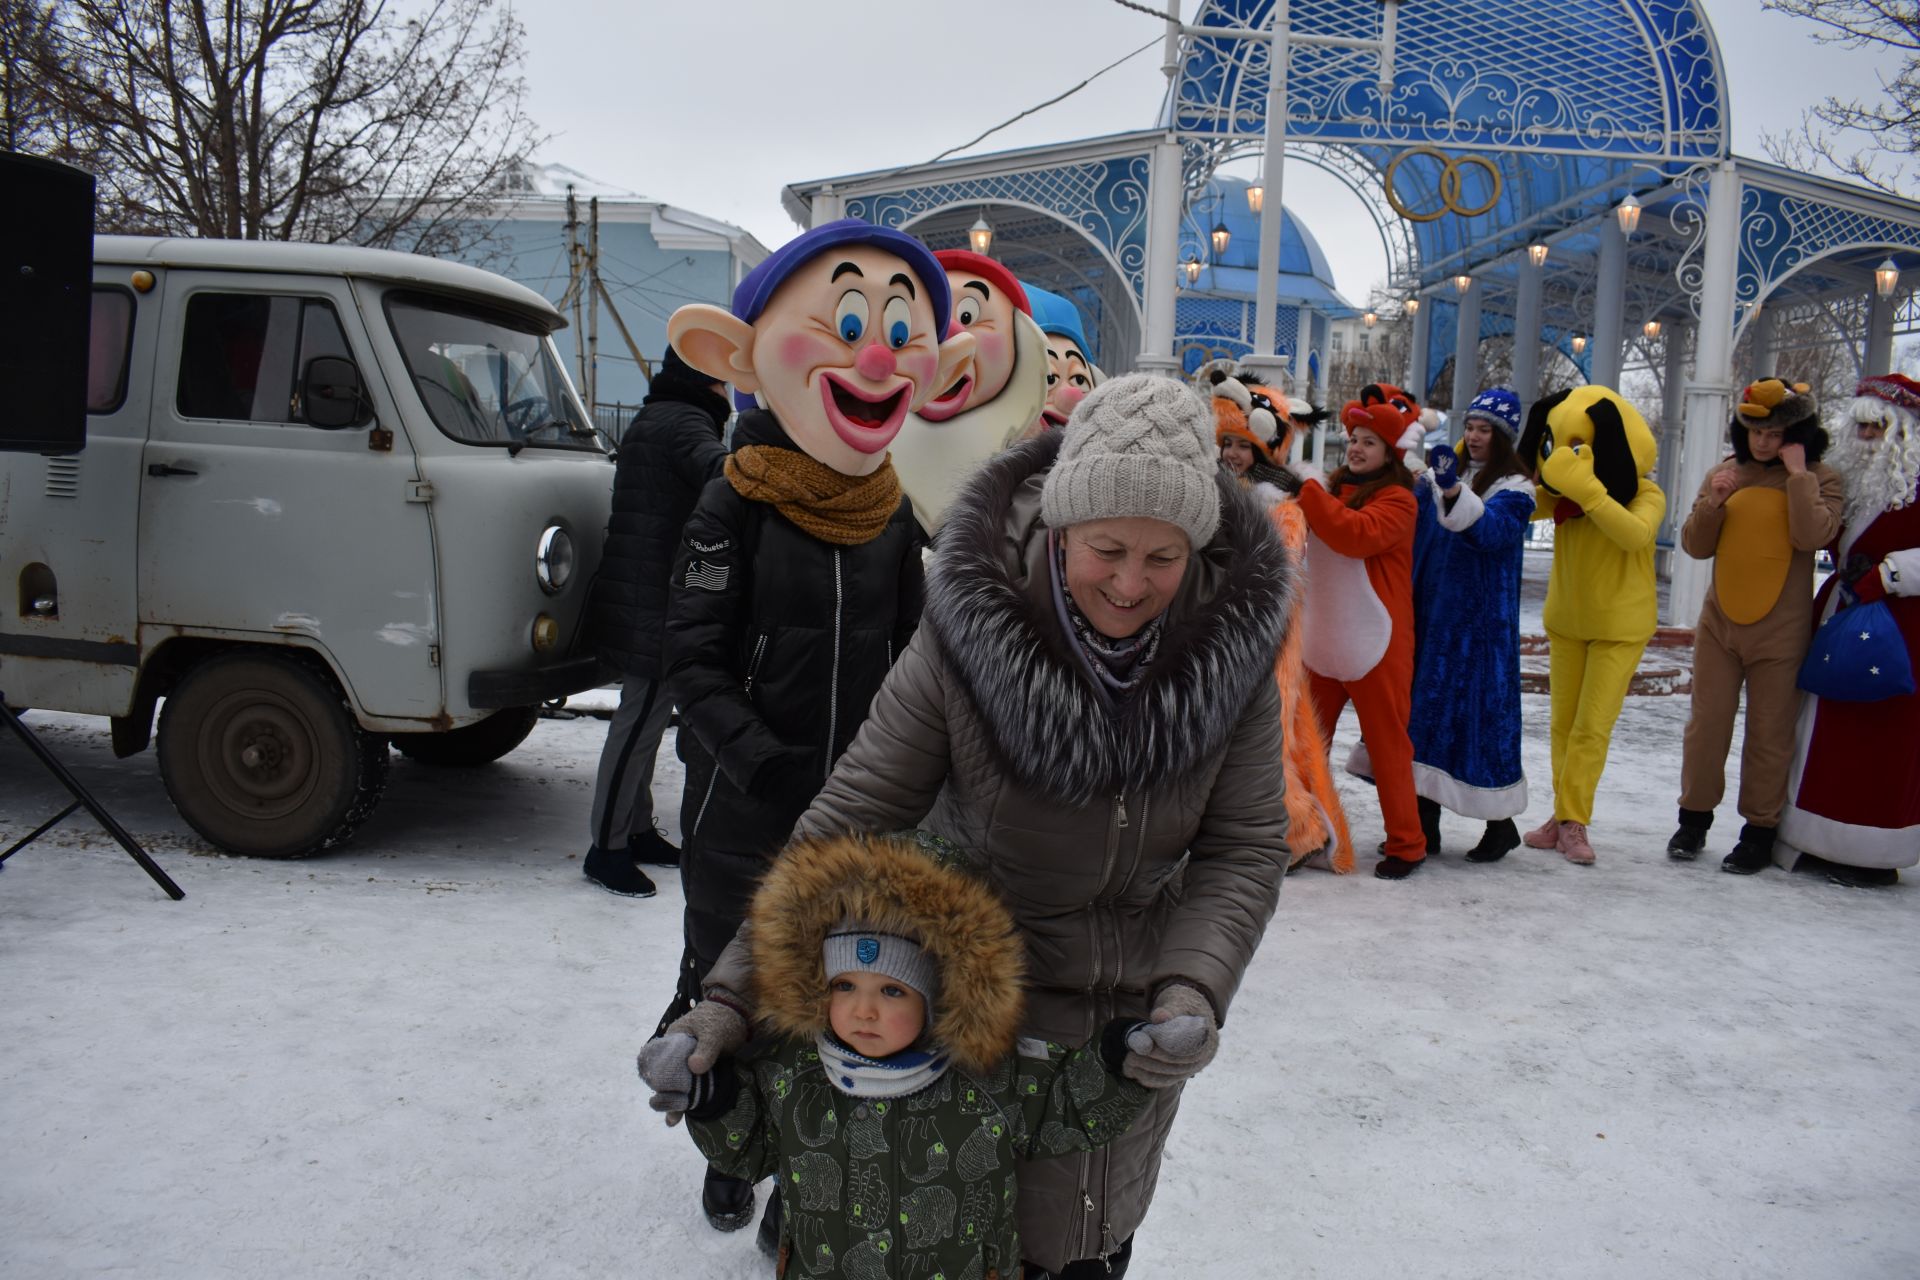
1316 822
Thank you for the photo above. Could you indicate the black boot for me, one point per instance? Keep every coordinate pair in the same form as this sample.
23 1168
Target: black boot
653 848
1392 868
728 1202
1430 824
616 873
1691 838
1501 838
768 1237
1753 852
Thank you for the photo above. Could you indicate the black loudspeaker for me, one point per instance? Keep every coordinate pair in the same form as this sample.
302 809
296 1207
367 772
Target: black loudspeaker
46 285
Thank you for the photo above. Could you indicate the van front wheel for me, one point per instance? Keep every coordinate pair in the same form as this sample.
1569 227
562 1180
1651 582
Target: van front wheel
260 753
472 745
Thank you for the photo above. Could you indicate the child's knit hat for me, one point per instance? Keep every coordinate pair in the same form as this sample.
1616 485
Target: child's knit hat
856 946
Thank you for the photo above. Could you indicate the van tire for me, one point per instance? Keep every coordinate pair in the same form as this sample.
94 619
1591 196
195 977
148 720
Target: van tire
472 745
260 754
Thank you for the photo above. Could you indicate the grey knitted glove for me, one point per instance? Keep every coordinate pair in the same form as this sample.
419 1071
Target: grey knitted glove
1176 1041
690 1046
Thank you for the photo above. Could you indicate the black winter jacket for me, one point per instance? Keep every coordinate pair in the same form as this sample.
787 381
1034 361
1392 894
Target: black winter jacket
776 643
669 453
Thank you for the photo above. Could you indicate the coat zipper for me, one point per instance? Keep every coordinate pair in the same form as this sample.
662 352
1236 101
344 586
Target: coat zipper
753 669
833 687
1093 981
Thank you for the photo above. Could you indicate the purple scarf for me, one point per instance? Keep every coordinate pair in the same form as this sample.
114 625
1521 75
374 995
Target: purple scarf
1117 666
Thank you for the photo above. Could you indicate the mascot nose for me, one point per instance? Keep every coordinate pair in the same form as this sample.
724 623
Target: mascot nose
875 362
1070 397
954 326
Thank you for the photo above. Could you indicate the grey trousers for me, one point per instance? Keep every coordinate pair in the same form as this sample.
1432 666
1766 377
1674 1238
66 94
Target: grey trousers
623 793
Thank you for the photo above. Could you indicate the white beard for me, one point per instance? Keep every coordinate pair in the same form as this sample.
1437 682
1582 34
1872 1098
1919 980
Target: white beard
1880 474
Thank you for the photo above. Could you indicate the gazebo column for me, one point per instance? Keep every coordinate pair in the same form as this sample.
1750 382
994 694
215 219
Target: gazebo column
1263 361
1609 305
1302 384
1466 359
1418 375
1879 335
1672 406
1526 333
1163 265
1766 360
1323 387
1709 395
826 206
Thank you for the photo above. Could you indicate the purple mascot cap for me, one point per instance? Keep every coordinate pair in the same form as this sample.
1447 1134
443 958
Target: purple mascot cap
751 296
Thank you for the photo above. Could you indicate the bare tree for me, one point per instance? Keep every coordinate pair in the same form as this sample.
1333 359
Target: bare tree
319 120
1874 142
30 118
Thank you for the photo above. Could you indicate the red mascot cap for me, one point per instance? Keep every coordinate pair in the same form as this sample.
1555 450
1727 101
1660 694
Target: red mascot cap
980 264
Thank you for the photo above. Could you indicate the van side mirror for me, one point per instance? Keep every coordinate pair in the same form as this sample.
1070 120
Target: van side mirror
331 393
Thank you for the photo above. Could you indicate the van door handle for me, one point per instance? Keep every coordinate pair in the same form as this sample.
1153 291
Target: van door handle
161 469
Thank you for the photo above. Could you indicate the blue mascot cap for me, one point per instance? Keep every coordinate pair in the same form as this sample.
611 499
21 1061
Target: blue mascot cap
751 296
1054 314
1499 406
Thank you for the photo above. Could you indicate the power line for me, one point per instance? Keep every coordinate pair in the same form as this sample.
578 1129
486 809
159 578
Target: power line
1056 98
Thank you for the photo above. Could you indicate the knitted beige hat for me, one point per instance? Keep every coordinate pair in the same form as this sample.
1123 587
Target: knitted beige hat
1141 445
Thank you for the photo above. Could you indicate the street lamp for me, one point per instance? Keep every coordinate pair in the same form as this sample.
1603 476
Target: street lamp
1192 268
1651 328
1370 319
1629 214
1886 278
1220 236
1537 254
980 235
1256 196
1579 343
1462 283
1413 306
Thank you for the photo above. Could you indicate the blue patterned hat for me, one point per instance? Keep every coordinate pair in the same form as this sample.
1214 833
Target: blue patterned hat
1500 407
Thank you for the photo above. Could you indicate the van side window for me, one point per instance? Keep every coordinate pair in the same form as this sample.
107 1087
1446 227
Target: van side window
242 353
109 344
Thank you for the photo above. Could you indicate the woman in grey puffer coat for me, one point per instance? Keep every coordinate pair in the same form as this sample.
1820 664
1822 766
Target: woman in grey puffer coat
1089 706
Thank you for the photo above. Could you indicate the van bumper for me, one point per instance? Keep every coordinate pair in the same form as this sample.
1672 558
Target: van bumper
524 688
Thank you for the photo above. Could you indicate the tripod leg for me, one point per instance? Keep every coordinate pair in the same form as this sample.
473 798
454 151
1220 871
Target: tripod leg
83 797
38 831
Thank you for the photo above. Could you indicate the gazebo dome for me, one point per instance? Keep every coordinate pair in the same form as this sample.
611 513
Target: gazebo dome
1305 277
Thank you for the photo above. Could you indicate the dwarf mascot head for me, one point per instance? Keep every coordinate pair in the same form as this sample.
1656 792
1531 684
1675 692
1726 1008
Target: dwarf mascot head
1071 372
1588 432
841 333
997 393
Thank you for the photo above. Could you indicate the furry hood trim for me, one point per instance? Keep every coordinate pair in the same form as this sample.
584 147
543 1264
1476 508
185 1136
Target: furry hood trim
1046 724
895 888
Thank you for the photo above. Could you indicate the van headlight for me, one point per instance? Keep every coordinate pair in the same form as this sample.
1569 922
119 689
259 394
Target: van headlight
553 560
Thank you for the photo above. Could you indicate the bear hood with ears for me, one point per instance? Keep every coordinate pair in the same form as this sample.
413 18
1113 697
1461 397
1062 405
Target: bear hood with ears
1772 402
896 887
1600 419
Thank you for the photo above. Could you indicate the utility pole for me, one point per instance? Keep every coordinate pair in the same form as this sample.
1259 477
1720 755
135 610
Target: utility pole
575 284
593 306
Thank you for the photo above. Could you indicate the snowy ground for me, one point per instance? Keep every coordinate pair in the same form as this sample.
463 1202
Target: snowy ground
414 1057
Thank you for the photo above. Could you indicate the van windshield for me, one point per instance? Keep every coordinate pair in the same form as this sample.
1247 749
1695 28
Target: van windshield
488 377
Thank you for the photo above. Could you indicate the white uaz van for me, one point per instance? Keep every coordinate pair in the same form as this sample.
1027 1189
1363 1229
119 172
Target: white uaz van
331 498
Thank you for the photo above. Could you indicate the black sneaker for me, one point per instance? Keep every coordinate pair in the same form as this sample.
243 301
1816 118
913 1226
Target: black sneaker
1862 877
1501 838
1691 838
616 873
1753 853
727 1202
653 849
1392 868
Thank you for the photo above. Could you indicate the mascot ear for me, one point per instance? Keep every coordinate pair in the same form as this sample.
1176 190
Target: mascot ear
1613 464
1529 447
1372 394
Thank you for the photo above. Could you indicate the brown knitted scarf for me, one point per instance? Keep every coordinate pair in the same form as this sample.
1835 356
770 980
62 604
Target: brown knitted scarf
844 510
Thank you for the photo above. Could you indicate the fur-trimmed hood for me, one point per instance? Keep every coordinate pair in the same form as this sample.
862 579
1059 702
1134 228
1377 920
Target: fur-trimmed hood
989 604
895 888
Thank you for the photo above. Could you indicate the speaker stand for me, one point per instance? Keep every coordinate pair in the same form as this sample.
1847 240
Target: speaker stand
81 798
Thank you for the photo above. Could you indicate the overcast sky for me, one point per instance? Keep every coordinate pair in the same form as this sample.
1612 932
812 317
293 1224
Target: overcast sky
716 105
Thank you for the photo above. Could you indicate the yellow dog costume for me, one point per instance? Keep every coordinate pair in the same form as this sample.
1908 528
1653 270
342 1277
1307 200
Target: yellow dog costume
1591 454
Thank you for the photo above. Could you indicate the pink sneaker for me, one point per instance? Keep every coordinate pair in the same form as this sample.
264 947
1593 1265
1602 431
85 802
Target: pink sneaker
1573 844
1545 836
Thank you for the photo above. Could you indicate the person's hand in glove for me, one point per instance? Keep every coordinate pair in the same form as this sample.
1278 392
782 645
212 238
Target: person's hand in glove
1178 1039
1408 447
1443 469
687 1049
1568 471
1861 575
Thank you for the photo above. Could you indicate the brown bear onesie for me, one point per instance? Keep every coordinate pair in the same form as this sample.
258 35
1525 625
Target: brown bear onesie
1758 617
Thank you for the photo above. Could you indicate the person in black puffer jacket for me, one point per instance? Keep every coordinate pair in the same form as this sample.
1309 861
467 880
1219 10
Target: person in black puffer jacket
799 577
666 458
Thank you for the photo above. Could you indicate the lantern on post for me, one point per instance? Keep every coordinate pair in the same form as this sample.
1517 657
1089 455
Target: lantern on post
1651 328
1256 197
1537 254
1413 306
1886 278
1192 269
1462 283
1370 319
1220 237
1628 213
980 235
1579 343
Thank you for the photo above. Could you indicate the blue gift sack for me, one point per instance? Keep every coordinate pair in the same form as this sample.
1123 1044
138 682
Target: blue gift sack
1858 655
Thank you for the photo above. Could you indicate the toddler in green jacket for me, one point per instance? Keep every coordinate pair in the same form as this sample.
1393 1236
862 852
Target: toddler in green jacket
892 1094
